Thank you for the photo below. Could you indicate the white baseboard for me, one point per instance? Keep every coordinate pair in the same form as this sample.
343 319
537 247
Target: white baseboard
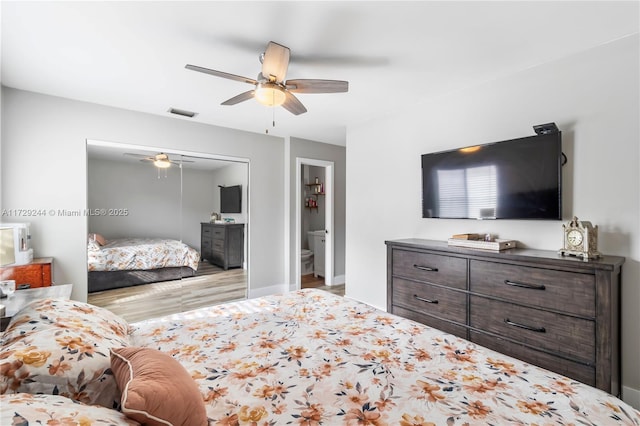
631 396
284 288
267 291
338 279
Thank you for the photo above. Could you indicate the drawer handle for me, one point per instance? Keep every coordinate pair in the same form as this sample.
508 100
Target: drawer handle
524 326
525 285
426 268
422 299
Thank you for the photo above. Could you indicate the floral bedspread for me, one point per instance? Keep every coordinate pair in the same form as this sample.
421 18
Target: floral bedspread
54 410
313 358
140 253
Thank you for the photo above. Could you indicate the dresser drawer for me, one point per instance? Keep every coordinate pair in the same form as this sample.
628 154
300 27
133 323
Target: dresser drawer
569 292
218 245
444 270
584 373
218 233
207 230
442 325
426 298
216 258
560 334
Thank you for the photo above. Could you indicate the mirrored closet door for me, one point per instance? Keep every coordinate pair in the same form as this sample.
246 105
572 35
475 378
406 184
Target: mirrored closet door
168 230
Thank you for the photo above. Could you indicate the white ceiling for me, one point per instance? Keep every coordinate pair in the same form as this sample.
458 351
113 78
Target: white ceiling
131 154
394 54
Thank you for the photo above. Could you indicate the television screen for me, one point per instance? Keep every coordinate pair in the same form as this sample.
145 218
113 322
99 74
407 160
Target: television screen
231 199
514 179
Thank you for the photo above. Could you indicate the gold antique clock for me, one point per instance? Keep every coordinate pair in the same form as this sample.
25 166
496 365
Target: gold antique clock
580 239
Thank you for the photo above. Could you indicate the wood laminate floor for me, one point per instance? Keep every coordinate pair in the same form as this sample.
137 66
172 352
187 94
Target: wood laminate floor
169 297
309 281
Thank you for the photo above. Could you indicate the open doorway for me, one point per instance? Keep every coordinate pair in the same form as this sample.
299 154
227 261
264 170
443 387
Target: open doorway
314 223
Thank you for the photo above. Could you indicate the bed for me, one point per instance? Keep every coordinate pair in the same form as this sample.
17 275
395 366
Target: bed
305 358
125 262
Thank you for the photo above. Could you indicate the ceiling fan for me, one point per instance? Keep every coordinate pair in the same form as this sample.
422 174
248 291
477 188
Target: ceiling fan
271 87
160 160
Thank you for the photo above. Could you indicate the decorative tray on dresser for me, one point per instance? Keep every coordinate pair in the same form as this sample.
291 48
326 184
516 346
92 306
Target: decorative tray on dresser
560 313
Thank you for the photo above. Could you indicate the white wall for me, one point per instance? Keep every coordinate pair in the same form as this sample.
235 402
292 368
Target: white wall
591 96
152 203
231 175
44 166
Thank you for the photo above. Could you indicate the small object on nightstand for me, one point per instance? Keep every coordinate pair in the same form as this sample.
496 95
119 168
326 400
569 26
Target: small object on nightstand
7 288
580 238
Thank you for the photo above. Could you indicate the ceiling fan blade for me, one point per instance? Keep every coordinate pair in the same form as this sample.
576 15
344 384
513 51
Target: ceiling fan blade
317 86
131 154
221 74
239 98
275 62
293 105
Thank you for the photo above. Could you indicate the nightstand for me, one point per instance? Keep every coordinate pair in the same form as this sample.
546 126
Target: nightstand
34 274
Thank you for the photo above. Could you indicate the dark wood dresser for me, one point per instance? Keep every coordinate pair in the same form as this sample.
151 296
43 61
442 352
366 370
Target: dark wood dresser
560 313
34 274
222 244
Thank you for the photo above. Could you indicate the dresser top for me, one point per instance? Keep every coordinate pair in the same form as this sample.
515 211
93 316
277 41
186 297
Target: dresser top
549 257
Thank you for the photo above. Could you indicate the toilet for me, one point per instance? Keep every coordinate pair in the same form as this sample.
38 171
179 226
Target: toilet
306 256
316 244
306 261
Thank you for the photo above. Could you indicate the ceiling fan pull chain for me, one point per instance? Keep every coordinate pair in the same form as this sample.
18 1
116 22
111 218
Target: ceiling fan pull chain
273 119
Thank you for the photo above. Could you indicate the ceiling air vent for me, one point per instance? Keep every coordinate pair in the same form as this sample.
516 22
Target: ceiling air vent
183 112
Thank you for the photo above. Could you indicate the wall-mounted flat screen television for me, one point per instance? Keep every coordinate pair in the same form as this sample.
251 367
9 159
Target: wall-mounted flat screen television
513 179
231 199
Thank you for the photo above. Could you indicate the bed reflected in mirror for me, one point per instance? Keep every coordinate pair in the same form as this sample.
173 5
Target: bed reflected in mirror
159 240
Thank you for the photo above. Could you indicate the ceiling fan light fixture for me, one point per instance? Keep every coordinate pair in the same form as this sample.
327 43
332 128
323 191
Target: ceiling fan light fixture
271 88
162 163
270 94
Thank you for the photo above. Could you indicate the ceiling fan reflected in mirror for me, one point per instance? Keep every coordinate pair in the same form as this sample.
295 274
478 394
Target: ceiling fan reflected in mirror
271 87
160 160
